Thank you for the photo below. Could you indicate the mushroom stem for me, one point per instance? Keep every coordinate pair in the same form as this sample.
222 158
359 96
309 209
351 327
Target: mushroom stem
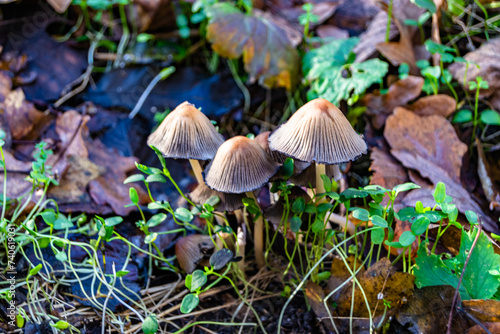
242 237
341 221
195 165
258 236
221 236
320 187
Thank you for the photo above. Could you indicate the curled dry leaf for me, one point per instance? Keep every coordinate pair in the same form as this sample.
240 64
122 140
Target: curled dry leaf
443 105
428 311
25 121
430 145
268 54
340 274
399 94
483 62
484 173
402 51
484 310
315 295
387 171
380 278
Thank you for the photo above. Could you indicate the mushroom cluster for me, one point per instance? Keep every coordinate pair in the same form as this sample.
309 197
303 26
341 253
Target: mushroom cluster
318 137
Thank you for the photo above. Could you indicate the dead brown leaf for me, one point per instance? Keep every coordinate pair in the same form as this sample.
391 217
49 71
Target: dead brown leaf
379 107
340 274
402 51
25 121
315 296
483 310
387 171
329 31
17 171
492 327
5 85
432 138
483 171
380 278
428 311
268 54
443 105
59 6
483 62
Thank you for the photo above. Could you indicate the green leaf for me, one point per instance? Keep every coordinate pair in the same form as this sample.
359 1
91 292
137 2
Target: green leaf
184 215
112 221
287 168
327 182
490 117
134 178
351 193
378 236
299 205
317 226
440 192
19 320
35 270
323 207
61 256
471 216
156 178
150 238
405 187
395 244
134 197
361 214
379 221
198 279
122 273
156 220
144 169
213 201
189 303
60 325
406 238
324 275
219 259
158 205
150 325
49 217
295 224
324 67
426 4
62 223
420 225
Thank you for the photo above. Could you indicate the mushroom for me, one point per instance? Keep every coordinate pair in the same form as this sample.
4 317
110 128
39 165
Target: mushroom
241 166
318 132
186 133
191 249
307 178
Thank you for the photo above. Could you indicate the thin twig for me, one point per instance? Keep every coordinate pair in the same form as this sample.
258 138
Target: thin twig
455 298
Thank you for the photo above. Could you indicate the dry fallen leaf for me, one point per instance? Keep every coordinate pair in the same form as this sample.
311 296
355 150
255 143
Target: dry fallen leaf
483 310
17 171
340 274
315 296
443 105
402 51
380 278
400 93
483 62
267 53
492 327
5 85
387 171
428 311
25 121
59 6
430 145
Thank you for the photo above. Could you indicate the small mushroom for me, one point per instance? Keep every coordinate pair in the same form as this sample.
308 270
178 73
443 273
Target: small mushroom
191 249
186 133
318 132
228 202
241 166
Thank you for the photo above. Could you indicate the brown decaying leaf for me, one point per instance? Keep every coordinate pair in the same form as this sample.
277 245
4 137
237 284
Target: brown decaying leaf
432 138
428 311
315 295
483 171
5 85
402 51
381 277
340 274
483 62
400 93
492 327
59 6
443 105
17 171
329 31
22 116
376 31
483 310
387 171
267 53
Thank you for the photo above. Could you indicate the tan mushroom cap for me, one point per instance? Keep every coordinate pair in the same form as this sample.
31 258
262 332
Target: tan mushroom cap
239 166
318 132
186 133
263 140
191 249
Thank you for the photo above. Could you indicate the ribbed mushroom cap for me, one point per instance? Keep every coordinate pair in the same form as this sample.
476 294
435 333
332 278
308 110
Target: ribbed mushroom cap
191 249
240 165
228 202
318 132
263 140
308 176
274 213
186 133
